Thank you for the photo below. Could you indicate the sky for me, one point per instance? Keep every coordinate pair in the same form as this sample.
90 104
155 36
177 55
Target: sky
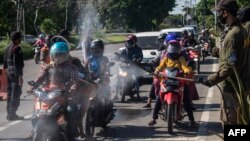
180 3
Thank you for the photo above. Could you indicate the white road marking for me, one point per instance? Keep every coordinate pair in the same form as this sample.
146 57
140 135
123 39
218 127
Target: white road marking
206 113
13 123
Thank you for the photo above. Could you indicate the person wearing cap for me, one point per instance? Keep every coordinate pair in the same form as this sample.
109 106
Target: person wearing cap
13 62
230 56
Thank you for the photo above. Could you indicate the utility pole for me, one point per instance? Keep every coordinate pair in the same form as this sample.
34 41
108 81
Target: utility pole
215 17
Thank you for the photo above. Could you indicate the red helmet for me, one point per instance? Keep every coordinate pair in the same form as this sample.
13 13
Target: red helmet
132 37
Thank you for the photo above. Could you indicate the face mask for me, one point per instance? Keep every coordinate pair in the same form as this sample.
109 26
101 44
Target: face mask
221 18
173 56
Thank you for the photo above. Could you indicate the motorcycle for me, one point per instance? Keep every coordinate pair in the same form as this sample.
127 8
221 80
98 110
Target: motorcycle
100 111
37 55
49 116
194 55
171 95
125 79
205 46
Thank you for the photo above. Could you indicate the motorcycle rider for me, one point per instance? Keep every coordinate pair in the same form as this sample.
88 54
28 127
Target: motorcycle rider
174 59
97 62
45 50
59 72
41 41
187 40
204 36
156 62
133 53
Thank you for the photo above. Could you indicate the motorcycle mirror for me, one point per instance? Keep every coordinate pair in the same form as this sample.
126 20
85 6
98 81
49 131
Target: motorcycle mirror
116 53
110 64
31 83
153 53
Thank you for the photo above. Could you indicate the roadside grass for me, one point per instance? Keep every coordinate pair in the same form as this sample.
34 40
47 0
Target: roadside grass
243 115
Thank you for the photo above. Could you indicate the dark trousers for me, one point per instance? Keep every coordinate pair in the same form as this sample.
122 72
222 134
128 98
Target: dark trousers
14 91
186 102
152 92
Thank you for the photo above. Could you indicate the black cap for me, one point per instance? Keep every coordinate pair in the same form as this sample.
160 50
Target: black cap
226 5
15 35
244 14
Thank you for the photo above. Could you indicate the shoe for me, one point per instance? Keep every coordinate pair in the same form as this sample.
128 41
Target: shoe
152 123
8 117
138 98
147 106
15 117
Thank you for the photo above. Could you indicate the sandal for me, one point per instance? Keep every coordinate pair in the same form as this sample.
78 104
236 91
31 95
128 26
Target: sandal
152 123
147 106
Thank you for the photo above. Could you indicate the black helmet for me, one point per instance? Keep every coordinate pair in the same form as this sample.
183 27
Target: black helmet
97 47
162 36
15 35
244 14
184 32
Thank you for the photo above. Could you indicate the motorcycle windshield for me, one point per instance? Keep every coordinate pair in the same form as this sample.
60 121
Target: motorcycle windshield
171 72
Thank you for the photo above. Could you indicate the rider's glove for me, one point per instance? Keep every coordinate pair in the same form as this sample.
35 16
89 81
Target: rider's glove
206 82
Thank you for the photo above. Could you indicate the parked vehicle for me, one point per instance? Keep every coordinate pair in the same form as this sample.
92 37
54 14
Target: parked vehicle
171 95
147 41
101 109
177 31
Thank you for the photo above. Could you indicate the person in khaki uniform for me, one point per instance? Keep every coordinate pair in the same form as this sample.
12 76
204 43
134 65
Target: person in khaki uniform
230 55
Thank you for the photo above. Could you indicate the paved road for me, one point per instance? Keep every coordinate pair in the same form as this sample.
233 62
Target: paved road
131 121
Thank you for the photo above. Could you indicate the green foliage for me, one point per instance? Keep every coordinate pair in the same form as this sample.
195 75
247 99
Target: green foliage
7 16
139 15
48 26
244 2
26 48
243 115
203 13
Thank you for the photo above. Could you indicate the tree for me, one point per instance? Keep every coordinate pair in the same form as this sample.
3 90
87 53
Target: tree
140 15
204 13
7 16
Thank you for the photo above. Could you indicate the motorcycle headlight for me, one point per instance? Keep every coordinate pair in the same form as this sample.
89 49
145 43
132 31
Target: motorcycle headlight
124 74
54 94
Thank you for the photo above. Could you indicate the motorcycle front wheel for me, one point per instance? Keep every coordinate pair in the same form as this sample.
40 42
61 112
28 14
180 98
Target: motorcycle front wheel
37 58
197 65
170 116
89 124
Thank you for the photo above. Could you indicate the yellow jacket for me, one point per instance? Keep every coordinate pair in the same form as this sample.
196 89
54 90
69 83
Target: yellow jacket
180 64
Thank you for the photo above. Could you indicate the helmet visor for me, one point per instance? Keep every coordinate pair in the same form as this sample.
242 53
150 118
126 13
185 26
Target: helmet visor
173 49
59 57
